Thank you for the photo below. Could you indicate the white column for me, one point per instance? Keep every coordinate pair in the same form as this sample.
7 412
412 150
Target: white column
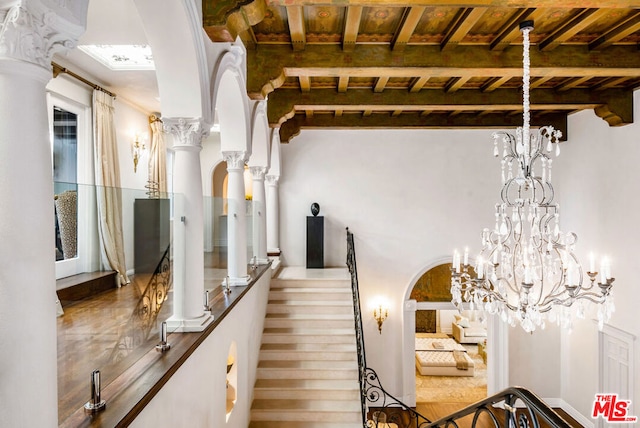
188 226
273 216
29 35
237 219
259 215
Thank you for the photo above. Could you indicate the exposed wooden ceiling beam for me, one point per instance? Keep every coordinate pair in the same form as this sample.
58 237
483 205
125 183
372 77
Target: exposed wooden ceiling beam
343 83
284 102
494 83
456 83
272 64
582 20
560 4
611 83
351 27
408 23
572 83
622 30
432 120
305 83
461 25
381 82
418 84
297 29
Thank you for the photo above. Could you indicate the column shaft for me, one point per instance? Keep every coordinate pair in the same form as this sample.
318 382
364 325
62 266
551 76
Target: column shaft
27 258
237 219
188 250
259 215
273 216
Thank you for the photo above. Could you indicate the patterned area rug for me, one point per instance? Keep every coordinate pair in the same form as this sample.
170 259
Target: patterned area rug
454 389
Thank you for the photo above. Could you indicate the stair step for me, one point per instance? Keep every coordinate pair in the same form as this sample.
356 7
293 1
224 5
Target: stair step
311 293
307 355
291 335
307 405
309 320
310 347
310 307
308 364
311 389
304 283
294 373
328 418
306 394
306 410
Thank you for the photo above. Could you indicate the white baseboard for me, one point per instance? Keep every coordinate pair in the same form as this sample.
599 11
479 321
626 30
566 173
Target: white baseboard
579 417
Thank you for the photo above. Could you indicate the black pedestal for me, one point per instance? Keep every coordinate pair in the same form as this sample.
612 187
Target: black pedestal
315 242
151 231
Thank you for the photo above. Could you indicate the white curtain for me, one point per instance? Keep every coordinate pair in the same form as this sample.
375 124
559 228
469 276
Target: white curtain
108 189
157 157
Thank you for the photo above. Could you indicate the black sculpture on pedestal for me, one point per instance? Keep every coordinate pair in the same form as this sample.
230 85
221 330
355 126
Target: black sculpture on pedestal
315 238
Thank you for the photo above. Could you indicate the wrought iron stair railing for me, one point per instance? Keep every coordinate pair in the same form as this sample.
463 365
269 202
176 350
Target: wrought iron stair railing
372 394
511 408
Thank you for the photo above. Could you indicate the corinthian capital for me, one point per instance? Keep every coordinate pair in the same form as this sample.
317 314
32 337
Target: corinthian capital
235 160
187 132
32 31
257 172
272 180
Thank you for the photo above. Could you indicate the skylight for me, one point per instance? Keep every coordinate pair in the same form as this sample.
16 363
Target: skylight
121 57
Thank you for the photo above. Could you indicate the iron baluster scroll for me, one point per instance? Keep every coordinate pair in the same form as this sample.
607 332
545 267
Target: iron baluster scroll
145 315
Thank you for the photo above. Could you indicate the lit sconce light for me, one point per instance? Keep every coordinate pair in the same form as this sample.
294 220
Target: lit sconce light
138 150
380 314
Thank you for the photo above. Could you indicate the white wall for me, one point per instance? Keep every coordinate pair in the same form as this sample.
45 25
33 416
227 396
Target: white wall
599 198
195 394
410 197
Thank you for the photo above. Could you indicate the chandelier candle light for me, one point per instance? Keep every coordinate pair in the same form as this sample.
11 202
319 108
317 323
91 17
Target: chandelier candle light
527 270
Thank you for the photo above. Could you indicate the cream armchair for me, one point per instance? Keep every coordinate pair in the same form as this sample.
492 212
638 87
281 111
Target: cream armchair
466 329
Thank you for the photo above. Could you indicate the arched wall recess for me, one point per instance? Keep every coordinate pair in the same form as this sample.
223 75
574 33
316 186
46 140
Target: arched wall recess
231 102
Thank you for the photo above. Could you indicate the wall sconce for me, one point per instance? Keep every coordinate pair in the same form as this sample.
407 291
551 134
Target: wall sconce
380 314
138 150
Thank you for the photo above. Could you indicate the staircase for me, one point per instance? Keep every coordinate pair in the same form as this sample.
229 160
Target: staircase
308 370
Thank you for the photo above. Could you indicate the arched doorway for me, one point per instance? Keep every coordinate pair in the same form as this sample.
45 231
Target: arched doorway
450 365
429 291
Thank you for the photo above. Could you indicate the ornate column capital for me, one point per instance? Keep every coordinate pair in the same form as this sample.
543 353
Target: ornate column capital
187 132
235 160
272 180
33 31
257 172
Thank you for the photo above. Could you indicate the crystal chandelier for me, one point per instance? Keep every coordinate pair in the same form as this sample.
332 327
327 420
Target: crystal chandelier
527 270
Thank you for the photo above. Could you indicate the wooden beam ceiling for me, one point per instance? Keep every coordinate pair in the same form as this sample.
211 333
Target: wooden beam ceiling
432 63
